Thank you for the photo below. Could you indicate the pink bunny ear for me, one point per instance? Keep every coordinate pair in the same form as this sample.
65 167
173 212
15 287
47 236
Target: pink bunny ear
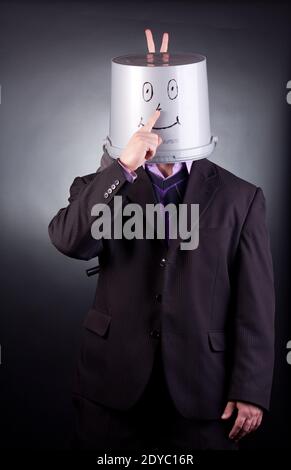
150 41
165 42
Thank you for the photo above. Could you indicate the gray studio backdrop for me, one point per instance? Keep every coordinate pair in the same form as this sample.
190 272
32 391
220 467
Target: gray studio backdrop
54 115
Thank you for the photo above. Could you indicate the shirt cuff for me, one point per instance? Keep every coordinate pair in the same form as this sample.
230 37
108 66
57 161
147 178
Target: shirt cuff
130 175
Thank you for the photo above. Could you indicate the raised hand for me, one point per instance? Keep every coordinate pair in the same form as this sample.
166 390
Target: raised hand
142 145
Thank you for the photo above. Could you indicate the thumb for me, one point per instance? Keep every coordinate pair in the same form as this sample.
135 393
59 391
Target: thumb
228 410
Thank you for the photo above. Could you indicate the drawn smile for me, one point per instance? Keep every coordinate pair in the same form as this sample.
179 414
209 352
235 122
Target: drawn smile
164 127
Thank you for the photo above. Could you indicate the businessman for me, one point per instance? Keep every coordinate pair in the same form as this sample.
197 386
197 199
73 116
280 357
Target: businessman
177 349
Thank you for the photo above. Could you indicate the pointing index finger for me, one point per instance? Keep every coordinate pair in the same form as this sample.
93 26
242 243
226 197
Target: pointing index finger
151 121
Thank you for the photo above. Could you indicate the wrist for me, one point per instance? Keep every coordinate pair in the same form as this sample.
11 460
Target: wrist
128 166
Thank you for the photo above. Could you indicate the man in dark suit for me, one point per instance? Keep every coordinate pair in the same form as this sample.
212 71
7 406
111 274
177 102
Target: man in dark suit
179 344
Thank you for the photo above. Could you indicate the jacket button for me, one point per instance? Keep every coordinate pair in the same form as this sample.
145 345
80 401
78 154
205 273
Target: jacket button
163 262
106 195
113 186
109 190
116 182
156 334
158 297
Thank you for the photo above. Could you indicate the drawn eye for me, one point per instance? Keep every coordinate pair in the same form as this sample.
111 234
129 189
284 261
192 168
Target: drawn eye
147 91
172 89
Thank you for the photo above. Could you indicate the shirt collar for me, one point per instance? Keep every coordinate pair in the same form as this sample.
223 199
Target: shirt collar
177 166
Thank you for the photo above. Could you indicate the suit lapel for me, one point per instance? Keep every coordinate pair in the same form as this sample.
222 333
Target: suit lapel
203 183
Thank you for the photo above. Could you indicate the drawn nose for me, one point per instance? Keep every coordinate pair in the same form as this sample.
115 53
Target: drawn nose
158 108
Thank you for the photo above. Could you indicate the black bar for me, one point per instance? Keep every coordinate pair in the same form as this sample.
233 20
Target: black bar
93 271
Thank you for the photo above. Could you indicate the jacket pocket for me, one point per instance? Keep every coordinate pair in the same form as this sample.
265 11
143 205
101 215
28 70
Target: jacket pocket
217 340
98 322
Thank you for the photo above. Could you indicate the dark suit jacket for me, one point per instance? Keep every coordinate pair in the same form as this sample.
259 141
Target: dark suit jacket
214 317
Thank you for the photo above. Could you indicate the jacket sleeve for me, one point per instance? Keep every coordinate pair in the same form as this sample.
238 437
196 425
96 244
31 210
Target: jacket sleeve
254 308
70 228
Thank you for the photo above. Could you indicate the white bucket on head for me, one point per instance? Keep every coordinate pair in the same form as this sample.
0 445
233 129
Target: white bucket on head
174 83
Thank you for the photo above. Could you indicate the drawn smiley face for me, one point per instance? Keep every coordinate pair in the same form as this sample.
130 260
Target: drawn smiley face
172 93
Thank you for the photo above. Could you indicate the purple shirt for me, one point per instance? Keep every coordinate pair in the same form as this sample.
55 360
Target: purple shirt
131 175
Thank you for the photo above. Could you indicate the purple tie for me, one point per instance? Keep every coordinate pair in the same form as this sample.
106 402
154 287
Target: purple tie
169 190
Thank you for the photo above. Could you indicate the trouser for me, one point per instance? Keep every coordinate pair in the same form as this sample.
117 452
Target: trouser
153 423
